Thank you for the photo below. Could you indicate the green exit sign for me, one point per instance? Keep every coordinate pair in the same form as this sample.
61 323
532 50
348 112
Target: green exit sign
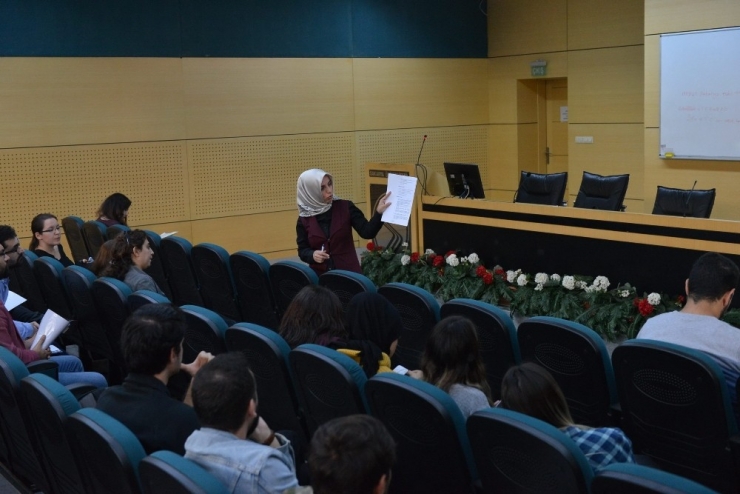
538 70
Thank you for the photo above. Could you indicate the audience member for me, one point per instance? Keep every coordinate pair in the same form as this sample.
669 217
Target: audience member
235 444
531 390
130 256
25 329
104 258
374 326
114 210
452 362
709 291
151 342
351 455
314 316
47 238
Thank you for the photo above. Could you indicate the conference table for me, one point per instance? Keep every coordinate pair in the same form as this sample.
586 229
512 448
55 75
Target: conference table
651 252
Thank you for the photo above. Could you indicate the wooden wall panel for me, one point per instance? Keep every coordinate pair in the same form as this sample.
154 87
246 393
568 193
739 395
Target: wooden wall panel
606 86
503 150
64 101
263 233
228 97
518 27
403 93
681 174
652 81
672 16
604 23
617 149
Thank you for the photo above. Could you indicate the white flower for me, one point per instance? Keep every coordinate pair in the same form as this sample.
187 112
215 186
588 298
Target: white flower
405 244
473 258
428 252
602 282
581 284
511 276
464 260
569 283
653 298
452 260
405 259
590 289
539 287
541 278
555 278
624 293
521 280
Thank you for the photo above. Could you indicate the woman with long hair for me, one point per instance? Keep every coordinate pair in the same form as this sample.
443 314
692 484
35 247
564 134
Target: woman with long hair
47 238
325 223
529 389
314 316
130 256
452 362
114 210
104 258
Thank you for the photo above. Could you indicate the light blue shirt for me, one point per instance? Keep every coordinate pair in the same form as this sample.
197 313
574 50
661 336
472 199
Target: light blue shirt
242 465
25 329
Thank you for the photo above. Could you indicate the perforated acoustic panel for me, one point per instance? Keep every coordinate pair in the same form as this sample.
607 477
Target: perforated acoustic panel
74 181
250 175
467 144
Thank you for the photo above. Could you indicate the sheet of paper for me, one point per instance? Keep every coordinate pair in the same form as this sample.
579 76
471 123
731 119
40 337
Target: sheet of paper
52 325
166 234
403 190
14 300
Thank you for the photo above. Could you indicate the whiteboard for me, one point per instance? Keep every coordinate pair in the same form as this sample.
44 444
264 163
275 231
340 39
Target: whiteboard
700 95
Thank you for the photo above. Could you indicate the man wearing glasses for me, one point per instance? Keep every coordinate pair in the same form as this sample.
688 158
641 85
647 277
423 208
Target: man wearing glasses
10 246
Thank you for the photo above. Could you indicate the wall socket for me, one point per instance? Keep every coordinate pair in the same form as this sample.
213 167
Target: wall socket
584 139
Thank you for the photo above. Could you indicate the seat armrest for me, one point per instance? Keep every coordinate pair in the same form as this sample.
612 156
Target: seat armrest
83 393
47 367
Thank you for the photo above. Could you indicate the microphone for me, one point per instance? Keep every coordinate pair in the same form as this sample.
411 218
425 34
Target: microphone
688 198
421 149
466 188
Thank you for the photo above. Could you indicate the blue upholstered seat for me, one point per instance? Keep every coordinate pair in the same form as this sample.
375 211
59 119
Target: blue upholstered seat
95 234
111 300
287 278
637 479
144 297
251 273
213 272
168 472
179 270
346 284
205 332
156 268
73 232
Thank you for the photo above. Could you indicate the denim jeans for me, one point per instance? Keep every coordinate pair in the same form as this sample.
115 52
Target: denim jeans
71 372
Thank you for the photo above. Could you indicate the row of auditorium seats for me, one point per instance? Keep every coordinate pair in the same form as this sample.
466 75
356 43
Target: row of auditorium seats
608 192
82 450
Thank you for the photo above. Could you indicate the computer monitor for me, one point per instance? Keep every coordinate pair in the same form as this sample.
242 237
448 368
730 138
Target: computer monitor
464 180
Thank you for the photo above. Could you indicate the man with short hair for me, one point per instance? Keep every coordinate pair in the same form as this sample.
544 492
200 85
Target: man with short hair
709 289
23 316
235 444
151 342
351 455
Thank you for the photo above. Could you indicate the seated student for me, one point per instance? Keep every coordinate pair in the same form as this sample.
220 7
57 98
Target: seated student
26 330
351 455
235 444
114 210
374 326
452 362
314 316
104 258
131 255
531 390
151 343
47 238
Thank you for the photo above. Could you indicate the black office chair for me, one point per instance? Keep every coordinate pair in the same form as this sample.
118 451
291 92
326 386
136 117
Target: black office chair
540 188
328 384
676 410
251 273
518 453
602 192
432 448
268 357
499 347
179 269
73 231
212 270
165 471
693 203
578 360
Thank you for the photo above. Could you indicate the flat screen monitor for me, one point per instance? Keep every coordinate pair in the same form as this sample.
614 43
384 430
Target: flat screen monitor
464 180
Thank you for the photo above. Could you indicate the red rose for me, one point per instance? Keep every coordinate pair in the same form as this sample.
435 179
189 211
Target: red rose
645 308
480 271
449 253
487 278
414 257
438 261
499 272
370 246
636 302
681 299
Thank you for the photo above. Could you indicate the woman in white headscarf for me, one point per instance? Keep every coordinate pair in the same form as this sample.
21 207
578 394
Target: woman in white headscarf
325 223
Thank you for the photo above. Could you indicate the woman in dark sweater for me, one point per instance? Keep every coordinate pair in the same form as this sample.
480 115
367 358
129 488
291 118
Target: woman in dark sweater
47 238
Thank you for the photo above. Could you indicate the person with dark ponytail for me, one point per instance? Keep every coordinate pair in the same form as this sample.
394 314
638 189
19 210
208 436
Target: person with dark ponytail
47 238
114 210
130 256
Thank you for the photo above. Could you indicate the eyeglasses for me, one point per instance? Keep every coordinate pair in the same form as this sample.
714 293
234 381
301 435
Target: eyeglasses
14 250
57 228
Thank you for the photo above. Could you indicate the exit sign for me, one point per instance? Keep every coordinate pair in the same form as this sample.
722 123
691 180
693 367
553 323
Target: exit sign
538 70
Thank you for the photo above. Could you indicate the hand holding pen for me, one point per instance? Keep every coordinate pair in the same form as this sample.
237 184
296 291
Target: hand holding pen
321 256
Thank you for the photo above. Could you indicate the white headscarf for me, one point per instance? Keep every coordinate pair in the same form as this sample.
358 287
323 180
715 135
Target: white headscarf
308 196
